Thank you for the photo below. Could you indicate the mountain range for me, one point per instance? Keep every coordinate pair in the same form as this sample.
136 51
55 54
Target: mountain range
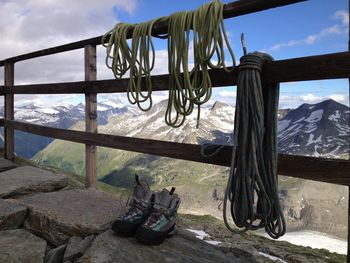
320 130
59 116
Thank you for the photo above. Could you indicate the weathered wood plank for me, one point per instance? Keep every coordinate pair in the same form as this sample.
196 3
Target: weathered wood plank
90 116
234 9
9 112
318 169
329 66
348 252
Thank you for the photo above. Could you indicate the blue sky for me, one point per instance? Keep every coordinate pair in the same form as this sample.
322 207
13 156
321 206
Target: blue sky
308 28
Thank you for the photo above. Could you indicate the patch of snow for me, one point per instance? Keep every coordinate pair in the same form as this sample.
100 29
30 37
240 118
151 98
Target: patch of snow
315 116
48 110
114 104
301 119
273 258
335 150
213 242
334 117
283 125
311 139
315 240
200 234
101 108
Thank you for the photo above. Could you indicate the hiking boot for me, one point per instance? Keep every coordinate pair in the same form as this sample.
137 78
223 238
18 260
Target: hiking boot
140 209
161 222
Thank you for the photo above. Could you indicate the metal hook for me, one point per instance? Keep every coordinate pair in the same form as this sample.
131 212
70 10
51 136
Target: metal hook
243 44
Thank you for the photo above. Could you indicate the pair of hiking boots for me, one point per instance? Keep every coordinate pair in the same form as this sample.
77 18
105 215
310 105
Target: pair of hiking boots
151 216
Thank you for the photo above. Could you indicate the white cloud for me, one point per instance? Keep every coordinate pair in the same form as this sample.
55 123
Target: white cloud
311 39
30 25
293 101
226 93
310 97
343 16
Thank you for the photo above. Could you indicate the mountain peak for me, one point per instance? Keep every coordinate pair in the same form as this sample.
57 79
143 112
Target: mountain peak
218 105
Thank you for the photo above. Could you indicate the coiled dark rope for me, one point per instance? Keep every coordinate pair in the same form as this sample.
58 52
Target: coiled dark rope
252 189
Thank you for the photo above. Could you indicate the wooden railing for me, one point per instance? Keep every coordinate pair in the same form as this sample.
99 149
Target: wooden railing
329 66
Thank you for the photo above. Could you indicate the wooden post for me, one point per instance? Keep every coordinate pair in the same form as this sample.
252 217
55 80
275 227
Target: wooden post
348 254
90 116
9 112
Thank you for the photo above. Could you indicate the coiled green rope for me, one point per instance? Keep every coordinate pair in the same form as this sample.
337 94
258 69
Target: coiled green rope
252 189
139 59
187 88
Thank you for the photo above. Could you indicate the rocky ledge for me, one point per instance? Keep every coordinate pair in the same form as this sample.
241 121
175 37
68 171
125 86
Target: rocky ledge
43 221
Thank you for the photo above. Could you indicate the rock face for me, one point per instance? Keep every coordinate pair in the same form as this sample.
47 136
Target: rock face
28 179
11 215
76 247
6 165
21 246
57 216
55 255
317 206
108 247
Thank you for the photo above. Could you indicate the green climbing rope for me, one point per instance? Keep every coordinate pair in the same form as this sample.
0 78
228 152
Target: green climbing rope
138 59
187 87
193 87
252 190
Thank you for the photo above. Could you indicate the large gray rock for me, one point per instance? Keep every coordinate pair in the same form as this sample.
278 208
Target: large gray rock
57 216
28 179
11 215
76 247
107 247
6 165
18 246
55 255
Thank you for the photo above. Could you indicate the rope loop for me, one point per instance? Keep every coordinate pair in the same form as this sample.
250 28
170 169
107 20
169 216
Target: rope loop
252 190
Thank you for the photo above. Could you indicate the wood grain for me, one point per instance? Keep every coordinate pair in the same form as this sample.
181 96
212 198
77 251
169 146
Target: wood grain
9 112
90 116
329 66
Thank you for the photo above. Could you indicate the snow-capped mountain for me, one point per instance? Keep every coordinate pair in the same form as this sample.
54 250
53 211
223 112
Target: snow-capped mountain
216 124
320 130
57 116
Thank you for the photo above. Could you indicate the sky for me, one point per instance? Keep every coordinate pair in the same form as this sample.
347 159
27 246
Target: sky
304 29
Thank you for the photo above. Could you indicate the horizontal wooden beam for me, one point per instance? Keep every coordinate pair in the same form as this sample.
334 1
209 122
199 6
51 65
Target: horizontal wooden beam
234 9
329 66
318 169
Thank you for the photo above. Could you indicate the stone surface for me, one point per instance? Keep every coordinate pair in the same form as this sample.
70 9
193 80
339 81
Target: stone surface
28 179
76 247
57 216
11 215
107 247
17 246
55 255
6 165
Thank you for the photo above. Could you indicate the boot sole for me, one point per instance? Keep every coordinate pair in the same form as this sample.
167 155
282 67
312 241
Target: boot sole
152 238
124 229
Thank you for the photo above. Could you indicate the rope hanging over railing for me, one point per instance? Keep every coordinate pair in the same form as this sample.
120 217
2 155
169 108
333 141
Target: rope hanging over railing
204 26
252 189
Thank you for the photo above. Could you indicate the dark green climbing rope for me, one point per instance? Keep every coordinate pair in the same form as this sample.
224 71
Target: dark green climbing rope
252 190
